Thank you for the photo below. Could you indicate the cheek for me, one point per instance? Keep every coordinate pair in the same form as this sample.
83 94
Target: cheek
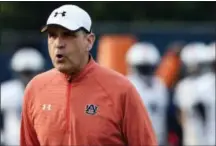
75 47
83 46
51 49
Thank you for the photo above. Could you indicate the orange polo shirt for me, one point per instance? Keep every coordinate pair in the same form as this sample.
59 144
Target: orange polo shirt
98 108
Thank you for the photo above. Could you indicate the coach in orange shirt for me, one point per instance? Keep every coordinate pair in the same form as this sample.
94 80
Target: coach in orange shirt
80 102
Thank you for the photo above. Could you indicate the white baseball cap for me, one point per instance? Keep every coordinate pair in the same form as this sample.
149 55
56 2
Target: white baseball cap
143 53
27 59
70 17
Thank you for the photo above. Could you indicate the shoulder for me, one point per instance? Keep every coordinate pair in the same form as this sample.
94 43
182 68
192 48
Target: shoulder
39 82
42 78
11 99
185 93
117 86
206 78
112 80
206 84
7 86
10 84
183 84
34 87
133 78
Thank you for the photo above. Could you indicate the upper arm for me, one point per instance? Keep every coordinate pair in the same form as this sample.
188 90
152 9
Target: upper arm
181 101
28 136
137 127
178 95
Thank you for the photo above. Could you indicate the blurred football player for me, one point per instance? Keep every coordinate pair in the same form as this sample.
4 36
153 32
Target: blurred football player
25 64
169 71
143 59
192 115
206 95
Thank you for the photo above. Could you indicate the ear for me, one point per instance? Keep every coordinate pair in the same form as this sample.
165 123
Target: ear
91 40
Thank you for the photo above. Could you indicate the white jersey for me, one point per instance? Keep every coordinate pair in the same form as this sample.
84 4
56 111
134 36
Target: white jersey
185 98
206 92
11 100
188 98
155 98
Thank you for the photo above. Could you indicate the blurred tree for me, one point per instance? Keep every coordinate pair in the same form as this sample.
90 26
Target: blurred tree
34 14
6 8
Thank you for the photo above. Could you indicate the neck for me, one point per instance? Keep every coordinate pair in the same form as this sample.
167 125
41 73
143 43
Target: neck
85 61
82 66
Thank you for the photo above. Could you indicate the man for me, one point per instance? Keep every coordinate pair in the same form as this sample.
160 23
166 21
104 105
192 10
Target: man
186 94
169 67
79 102
169 71
2 128
206 95
25 64
143 58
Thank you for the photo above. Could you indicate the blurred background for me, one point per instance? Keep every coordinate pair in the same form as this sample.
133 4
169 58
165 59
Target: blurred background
166 49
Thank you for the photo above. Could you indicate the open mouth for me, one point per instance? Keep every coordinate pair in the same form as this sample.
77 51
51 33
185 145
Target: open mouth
59 56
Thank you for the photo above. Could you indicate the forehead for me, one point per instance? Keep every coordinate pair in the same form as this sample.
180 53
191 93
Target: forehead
56 28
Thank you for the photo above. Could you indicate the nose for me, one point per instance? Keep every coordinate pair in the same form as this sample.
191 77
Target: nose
60 43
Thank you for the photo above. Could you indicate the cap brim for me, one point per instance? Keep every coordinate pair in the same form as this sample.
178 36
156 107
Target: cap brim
44 28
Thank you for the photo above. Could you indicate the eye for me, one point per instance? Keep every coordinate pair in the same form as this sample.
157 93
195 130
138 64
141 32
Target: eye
52 35
69 34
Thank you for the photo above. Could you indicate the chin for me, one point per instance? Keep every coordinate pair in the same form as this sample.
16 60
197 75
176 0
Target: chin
66 69
62 69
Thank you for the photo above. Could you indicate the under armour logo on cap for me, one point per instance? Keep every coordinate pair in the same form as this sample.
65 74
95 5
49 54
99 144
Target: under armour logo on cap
62 13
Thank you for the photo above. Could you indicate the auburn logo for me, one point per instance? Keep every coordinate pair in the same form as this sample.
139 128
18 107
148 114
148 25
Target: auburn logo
91 109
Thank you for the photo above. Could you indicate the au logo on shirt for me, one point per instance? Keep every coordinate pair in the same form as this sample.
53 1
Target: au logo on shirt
91 109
